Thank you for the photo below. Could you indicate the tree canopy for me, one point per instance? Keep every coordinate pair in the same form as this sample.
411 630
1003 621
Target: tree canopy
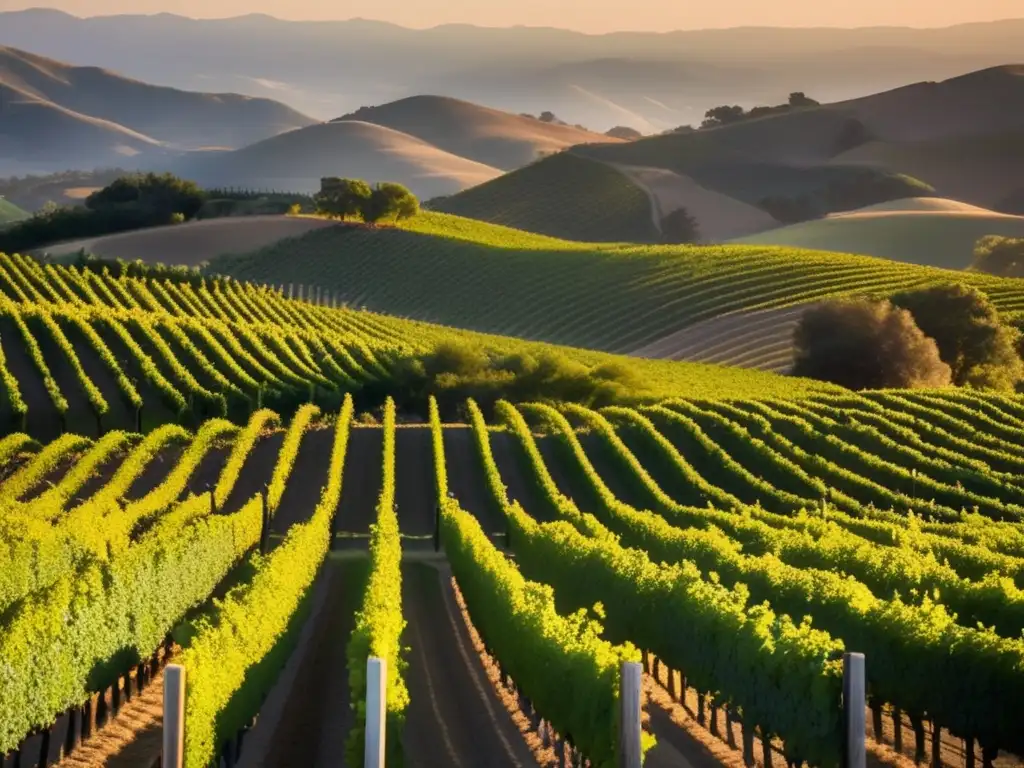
160 195
999 256
979 349
354 197
680 227
863 344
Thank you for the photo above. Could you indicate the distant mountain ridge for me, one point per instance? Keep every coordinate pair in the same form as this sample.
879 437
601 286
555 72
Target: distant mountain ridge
54 115
651 81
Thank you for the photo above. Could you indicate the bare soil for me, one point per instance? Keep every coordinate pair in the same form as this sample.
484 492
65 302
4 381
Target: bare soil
195 242
416 493
305 484
106 470
361 481
131 740
155 472
466 479
42 422
121 415
506 456
256 471
80 416
316 718
455 717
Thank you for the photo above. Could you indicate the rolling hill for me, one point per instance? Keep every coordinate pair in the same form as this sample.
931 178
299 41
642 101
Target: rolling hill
936 232
9 212
952 139
489 136
56 114
648 80
193 242
296 161
620 298
564 196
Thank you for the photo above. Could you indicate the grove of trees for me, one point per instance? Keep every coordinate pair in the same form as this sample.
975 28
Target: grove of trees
729 114
132 201
950 334
354 198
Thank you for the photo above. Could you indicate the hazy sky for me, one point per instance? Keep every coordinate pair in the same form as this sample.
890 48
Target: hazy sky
585 15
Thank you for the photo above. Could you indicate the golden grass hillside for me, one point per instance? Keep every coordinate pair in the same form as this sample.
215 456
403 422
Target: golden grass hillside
296 161
194 242
939 234
54 111
489 136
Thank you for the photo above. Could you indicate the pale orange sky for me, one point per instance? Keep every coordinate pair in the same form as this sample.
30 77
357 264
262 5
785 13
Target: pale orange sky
584 15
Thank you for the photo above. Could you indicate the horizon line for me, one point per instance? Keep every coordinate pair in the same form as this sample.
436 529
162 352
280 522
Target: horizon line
382 22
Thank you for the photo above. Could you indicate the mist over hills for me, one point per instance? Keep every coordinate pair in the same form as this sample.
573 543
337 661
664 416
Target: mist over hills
651 81
55 115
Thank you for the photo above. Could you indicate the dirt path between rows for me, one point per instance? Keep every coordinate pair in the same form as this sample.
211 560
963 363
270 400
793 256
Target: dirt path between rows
507 456
466 479
361 481
315 718
305 483
42 422
257 470
455 717
415 488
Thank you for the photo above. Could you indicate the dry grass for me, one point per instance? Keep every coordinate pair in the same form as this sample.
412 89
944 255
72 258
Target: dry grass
297 160
196 241
719 217
943 238
490 136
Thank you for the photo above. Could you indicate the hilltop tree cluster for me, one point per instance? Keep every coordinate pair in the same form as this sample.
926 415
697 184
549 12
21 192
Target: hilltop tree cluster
727 115
354 198
940 336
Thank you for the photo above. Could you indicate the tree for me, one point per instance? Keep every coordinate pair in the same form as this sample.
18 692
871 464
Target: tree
724 115
979 349
390 200
155 195
863 344
999 256
342 197
624 132
548 117
798 99
679 227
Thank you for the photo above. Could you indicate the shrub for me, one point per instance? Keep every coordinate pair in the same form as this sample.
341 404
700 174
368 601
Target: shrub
679 227
864 344
177 218
624 132
342 197
997 255
390 200
972 340
455 371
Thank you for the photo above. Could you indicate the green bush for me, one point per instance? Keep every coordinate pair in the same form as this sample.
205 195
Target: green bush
972 340
863 344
